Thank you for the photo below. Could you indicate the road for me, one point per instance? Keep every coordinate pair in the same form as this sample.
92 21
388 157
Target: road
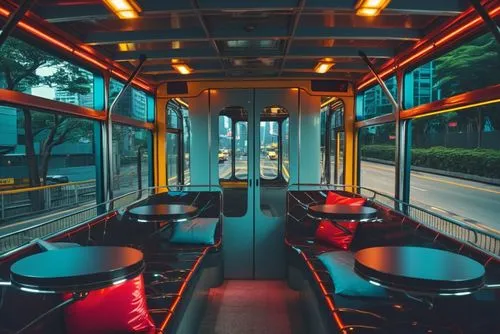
468 201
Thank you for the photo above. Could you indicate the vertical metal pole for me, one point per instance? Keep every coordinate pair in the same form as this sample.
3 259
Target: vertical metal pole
13 19
109 125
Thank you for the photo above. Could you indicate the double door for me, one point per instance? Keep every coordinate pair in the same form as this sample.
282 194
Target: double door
252 133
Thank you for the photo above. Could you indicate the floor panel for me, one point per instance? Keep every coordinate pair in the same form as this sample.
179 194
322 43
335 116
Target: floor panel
248 307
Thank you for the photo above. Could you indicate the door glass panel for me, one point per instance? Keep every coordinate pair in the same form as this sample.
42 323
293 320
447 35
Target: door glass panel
269 150
225 147
241 147
285 149
333 154
233 160
340 164
172 159
274 159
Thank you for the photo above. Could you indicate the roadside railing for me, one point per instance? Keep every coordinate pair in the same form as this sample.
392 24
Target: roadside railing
484 240
24 236
24 202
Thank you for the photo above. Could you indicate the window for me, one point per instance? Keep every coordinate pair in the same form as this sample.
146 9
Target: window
241 146
285 133
29 70
377 147
225 148
269 150
133 102
455 164
472 65
131 147
38 149
178 143
373 102
332 163
173 148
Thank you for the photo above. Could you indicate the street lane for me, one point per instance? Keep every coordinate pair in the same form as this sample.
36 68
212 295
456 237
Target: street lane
468 201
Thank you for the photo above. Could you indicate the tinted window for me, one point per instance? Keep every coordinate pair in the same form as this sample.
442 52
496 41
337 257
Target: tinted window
133 102
373 102
40 149
29 70
377 156
471 66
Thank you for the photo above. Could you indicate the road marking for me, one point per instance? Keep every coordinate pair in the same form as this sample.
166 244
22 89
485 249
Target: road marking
418 188
430 178
440 210
458 184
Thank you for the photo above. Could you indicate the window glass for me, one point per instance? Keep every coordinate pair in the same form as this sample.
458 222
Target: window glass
186 134
470 66
269 150
30 70
225 147
241 145
133 102
455 164
334 148
40 149
233 160
285 128
377 155
340 164
173 159
131 147
373 102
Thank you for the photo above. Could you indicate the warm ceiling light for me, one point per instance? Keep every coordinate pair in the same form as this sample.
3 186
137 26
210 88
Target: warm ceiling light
370 7
323 66
126 47
124 9
182 68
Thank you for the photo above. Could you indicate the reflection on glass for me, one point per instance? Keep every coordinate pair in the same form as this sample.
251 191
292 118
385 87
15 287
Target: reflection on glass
225 147
269 150
470 66
130 159
340 164
133 102
455 160
173 159
285 127
233 160
241 146
373 102
30 70
39 149
377 154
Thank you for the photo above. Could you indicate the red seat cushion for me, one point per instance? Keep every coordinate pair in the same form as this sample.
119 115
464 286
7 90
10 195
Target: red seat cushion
329 233
119 308
334 198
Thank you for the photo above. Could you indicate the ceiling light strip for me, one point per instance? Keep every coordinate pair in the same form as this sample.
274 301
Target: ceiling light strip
466 27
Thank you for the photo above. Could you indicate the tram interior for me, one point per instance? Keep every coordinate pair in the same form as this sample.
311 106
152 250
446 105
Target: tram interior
251 139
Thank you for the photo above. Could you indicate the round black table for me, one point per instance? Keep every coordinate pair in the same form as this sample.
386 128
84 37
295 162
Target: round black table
419 270
337 212
76 269
159 213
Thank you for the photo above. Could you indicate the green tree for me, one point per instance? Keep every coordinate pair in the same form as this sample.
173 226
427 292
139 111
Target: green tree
471 66
19 63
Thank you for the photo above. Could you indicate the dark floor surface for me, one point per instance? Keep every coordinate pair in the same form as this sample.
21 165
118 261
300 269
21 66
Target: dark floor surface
251 307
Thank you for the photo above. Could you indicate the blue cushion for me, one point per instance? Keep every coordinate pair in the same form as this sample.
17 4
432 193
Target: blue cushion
340 266
196 231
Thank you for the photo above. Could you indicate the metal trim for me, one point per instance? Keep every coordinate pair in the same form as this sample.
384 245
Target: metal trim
40 103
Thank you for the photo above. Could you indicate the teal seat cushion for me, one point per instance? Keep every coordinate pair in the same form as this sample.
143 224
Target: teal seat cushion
340 266
196 231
